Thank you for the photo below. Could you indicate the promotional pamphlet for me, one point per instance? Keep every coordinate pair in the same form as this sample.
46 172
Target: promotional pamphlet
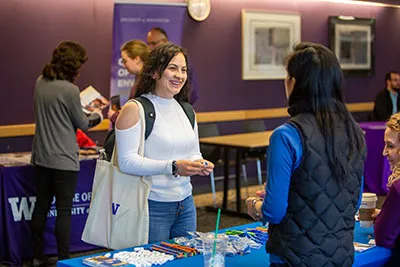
91 100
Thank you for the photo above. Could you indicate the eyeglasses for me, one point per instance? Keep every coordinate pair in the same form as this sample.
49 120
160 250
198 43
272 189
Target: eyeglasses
156 42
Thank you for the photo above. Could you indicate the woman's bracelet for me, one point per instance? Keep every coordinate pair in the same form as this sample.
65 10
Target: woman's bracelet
255 200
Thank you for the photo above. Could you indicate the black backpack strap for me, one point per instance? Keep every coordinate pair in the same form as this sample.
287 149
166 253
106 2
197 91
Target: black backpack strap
109 144
149 113
188 111
150 116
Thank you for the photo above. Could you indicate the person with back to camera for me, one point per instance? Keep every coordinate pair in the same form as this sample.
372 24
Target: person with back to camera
171 152
315 167
387 223
58 114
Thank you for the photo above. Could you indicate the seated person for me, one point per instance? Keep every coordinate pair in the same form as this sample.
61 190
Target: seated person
387 101
387 223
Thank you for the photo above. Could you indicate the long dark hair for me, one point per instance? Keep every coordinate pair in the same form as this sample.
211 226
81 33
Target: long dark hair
318 89
68 57
157 62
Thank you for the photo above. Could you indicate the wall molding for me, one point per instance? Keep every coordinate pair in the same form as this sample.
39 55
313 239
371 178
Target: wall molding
268 113
29 129
202 117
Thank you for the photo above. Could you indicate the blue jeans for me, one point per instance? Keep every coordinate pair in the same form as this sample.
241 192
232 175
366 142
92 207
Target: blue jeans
171 219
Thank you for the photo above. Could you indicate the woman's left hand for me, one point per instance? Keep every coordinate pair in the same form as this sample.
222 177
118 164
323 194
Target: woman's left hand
110 113
208 167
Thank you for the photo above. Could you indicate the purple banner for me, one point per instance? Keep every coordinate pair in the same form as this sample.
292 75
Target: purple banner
133 21
18 198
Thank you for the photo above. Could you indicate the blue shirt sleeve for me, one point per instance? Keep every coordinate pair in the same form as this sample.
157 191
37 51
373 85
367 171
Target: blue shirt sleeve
284 156
361 192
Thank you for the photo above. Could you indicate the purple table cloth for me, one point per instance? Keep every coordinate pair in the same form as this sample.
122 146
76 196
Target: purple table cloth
18 196
377 169
3 243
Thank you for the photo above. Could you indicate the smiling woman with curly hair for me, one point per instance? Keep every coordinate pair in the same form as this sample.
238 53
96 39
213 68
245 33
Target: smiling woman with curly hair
387 223
172 152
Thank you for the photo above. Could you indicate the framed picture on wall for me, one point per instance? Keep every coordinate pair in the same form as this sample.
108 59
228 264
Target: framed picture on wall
267 38
352 40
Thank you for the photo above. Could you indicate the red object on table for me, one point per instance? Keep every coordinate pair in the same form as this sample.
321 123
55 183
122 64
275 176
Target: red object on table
84 140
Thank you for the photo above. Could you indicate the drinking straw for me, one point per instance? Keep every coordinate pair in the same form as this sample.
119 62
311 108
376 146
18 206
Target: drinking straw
215 237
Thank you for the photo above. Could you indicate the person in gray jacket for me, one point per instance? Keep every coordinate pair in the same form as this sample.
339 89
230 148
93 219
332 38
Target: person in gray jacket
55 155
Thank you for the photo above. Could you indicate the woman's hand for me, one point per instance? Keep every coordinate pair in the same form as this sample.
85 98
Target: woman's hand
375 214
208 167
261 193
189 167
253 205
110 113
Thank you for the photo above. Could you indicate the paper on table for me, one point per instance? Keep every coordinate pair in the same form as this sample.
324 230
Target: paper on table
360 247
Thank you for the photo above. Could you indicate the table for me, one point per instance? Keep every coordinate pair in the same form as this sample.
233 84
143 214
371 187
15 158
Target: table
17 201
376 168
375 257
240 142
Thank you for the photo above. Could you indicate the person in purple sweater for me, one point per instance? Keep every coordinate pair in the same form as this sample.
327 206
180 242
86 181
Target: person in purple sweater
387 223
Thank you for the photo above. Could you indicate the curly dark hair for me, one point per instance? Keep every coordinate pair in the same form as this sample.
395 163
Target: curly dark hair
157 62
68 57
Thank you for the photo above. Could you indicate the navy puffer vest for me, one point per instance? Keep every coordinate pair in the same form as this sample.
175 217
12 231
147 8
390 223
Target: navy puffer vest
318 227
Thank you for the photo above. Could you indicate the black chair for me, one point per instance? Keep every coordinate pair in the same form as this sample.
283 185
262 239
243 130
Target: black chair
254 154
213 153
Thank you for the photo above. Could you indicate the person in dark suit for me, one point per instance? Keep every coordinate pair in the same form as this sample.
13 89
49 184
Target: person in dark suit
387 101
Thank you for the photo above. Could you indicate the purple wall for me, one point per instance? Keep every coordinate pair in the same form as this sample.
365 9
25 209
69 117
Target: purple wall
30 30
215 46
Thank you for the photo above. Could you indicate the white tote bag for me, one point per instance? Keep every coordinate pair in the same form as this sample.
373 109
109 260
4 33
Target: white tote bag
119 213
